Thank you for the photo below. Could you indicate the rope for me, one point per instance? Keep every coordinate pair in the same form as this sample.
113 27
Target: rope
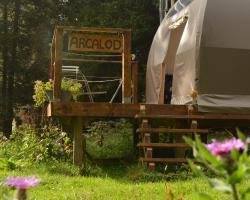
113 80
93 55
103 77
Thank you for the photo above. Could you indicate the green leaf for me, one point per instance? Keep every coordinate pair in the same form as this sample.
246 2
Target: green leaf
238 175
240 135
220 185
235 154
243 194
188 140
204 196
196 169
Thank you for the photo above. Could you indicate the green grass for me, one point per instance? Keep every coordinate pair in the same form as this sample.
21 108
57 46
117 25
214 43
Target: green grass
56 185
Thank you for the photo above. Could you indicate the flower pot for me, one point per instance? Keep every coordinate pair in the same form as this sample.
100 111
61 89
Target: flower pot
50 95
65 96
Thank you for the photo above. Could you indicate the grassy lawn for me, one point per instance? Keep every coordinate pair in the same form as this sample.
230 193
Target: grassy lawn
59 186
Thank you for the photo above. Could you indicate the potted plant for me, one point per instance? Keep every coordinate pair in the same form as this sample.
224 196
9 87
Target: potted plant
43 91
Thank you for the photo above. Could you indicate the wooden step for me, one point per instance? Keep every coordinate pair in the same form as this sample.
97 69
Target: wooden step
169 130
165 160
164 145
197 116
143 116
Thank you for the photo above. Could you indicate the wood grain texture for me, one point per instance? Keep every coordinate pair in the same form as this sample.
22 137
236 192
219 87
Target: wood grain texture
86 109
135 81
169 130
78 142
164 145
58 64
126 68
164 160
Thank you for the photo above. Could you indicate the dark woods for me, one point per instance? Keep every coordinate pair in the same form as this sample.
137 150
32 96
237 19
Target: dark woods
26 32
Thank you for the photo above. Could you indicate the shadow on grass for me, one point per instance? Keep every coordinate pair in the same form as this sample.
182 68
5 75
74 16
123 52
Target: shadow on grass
126 171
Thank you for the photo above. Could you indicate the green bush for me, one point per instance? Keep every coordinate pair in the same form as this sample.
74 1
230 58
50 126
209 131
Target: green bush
27 146
110 139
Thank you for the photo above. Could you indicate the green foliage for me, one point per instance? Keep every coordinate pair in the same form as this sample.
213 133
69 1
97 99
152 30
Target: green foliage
232 167
110 139
27 146
40 95
40 90
73 87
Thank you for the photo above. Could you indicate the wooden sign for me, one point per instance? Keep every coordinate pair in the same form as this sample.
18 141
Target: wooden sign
95 43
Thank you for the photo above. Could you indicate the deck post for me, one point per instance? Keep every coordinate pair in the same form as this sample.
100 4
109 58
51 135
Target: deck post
126 68
58 63
135 81
79 144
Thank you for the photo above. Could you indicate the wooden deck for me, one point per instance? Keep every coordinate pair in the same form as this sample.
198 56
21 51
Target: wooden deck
146 115
151 111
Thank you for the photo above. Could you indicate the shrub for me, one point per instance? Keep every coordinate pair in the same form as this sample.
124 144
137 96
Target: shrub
110 139
27 146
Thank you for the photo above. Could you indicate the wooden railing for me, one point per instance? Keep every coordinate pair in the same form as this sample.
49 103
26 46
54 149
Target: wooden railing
129 67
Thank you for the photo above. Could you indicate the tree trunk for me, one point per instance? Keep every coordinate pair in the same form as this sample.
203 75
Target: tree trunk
5 62
12 66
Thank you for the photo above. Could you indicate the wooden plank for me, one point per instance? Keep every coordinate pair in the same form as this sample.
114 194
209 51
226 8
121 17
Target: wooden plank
197 116
164 109
164 145
135 81
169 130
165 160
78 142
93 29
146 138
86 42
52 61
58 64
130 110
151 166
93 109
149 153
126 68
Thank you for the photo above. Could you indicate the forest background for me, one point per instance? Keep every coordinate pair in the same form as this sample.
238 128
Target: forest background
26 30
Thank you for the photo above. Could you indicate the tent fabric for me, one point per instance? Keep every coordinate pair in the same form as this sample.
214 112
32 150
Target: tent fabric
224 103
212 57
159 50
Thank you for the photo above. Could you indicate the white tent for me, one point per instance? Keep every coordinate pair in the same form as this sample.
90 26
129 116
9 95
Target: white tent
205 44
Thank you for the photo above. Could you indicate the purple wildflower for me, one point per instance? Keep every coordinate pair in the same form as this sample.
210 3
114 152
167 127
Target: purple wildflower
225 147
22 182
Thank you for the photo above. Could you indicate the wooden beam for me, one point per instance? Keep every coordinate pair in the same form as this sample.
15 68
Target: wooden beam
93 29
164 145
197 116
93 109
135 81
169 130
88 109
165 160
78 142
126 68
52 61
58 64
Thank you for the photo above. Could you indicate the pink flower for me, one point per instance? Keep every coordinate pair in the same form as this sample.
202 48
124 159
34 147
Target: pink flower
225 147
22 182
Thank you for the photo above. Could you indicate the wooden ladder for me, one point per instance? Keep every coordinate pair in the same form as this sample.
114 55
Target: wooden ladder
146 133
